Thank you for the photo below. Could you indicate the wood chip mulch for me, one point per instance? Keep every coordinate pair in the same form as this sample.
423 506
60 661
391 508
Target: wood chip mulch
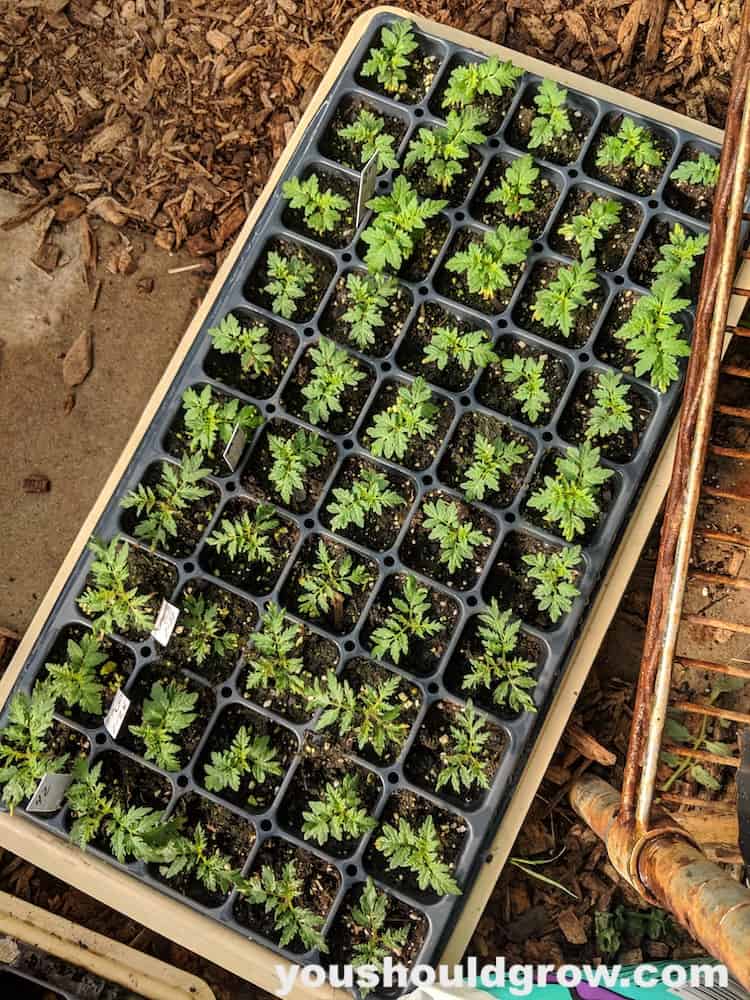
171 113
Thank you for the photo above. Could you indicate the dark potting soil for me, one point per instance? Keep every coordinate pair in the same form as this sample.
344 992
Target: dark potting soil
459 456
324 765
604 496
563 149
228 368
459 187
256 577
343 228
455 286
319 883
236 614
188 738
347 935
351 400
346 151
360 672
471 647
510 583
421 451
620 447
427 245
256 476
692 199
379 531
411 355
64 741
113 672
420 72
544 195
451 830
322 273
150 576
333 324
177 440
638 180
610 251
495 392
226 832
423 554
423 655
435 740
648 253
318 654
344 610
253 796
585 317
190 523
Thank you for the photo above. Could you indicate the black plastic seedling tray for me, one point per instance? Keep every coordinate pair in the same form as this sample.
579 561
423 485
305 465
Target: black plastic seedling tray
510 523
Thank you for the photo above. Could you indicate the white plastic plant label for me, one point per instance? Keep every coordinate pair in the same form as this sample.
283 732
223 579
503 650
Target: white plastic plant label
115 717
165 623
235 446
367 183
50 793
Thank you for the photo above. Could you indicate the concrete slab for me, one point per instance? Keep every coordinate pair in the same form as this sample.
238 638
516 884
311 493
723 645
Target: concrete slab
40 316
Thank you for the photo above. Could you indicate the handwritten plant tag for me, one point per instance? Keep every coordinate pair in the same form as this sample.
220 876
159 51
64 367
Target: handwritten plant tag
50 793
165 623
115 717
367 182
235 446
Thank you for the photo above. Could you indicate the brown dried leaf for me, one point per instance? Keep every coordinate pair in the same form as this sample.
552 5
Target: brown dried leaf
77 362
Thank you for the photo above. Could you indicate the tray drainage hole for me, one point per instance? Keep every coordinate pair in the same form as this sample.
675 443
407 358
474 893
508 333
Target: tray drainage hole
393 778
459 216
619 280
352 871
386 366
423 290
433 688
465 401
537 248
471 601
427 480
270 408
572 173
389 561
231 487
493 143
510 517
346 257
189 567
308 331
653 203
348 444
547 436
502 324
583 356
101 738
418 113
383 184
266 825
182 781
309 523
145 651
226 692
349 646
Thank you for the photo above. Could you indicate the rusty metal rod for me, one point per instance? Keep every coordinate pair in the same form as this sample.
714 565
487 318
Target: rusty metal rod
717 623
719 668
720 580
737 370
734 411
692 442
670 870
712 711
723 536
719 494
739 453
710 758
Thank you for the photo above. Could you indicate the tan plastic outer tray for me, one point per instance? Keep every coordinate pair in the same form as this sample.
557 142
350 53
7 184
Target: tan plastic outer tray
180 923
99 955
